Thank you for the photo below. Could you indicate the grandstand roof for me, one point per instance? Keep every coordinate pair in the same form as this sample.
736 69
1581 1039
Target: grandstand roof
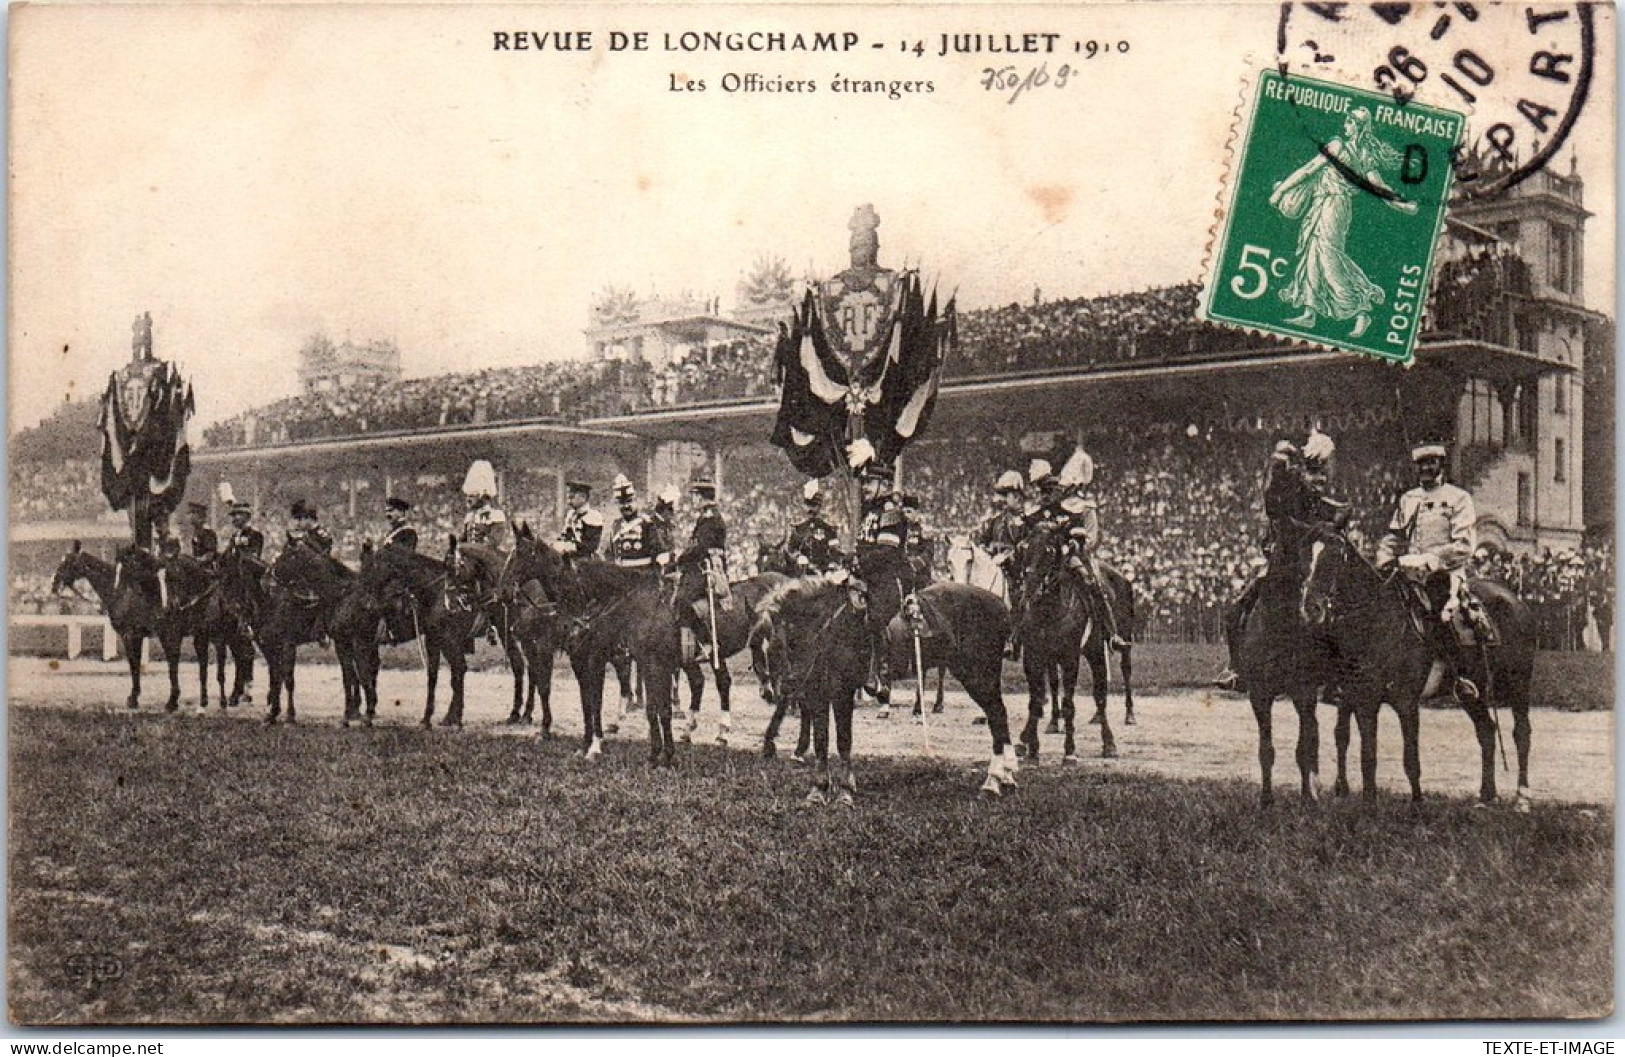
562 438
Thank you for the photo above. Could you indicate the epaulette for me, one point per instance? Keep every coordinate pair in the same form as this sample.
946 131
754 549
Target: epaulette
593 518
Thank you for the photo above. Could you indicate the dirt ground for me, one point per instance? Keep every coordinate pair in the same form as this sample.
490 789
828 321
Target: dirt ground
1193 734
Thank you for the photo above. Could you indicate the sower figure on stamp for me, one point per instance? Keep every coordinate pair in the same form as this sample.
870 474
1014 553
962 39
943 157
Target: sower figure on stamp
811 545
1430 540
883 566
702 575
1298 489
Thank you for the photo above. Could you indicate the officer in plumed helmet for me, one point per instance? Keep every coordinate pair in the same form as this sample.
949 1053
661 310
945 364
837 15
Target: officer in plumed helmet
811 545
633 542
485 523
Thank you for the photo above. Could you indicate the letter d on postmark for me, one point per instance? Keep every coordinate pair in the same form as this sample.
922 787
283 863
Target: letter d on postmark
1332 213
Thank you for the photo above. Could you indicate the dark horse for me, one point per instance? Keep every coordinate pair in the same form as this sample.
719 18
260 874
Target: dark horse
525 625
444 612
1278 655
1057 622
734 622
820 641
603 609
298 602
197 610
1384 653
131 604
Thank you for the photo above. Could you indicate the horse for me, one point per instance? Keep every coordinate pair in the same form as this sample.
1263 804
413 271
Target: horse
604 608
197 610
525 626
1279 655
445 612
734 622
1057 622
131 607
821 638
297 601
1385 653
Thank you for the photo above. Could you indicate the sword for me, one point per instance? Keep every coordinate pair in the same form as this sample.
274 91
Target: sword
711 611
417 637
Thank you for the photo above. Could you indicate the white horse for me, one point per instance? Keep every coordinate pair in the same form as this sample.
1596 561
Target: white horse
970 564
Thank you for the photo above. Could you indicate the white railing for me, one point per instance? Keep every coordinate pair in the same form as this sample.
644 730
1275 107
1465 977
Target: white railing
75 628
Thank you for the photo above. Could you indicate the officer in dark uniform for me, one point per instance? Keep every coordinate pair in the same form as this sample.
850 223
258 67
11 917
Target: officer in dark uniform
307 531
633 539
811 544
663 525
882 564
1297 490
400 533
704 556
205 544
583 526
398 617
920 548
245 540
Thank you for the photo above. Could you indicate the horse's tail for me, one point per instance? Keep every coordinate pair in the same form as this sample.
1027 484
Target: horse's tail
1122 601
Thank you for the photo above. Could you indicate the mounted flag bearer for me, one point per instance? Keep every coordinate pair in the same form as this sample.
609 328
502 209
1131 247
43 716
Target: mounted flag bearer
1430 540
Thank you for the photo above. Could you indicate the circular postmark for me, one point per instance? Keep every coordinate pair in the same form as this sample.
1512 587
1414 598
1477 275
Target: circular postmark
1521 72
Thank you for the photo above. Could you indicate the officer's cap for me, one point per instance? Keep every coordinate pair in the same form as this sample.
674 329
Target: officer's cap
667 496
1430 449
301 508
623 487
197 508
704 488
241 508
578 487
396 503
1009 481
811 493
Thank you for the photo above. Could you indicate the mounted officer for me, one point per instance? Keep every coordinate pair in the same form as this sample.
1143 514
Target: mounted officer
1044 495
1078 517
1298 489
702 572
245 540
205 546
920 548
634 541
1430 540
811 545
485 523
307 531
882 565
1000 531
583 526
401 533
663 523
399 619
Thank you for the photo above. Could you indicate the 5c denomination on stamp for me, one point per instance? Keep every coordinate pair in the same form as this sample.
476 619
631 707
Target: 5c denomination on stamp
1334 203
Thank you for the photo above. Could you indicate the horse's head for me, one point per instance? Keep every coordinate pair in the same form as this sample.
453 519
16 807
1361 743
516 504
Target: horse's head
818 630
1327 559
70 570
960 553
1041 557
533 559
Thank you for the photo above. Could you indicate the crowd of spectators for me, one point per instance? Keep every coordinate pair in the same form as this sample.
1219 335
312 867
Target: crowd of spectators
1080 333
1562 587
55 491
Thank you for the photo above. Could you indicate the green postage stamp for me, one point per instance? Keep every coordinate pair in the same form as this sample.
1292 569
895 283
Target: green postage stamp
1332 215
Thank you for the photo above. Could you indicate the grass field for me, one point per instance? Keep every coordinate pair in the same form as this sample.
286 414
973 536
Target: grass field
231 872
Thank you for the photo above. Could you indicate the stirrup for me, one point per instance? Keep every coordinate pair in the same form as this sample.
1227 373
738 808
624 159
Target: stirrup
1466 690
1229 680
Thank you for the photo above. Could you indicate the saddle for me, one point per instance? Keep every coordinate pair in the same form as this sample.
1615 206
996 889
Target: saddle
1463 615
926 617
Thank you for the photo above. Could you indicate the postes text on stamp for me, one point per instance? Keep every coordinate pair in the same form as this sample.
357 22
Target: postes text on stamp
1332 215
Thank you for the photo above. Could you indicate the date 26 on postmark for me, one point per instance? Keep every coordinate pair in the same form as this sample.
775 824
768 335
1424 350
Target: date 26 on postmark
1333 206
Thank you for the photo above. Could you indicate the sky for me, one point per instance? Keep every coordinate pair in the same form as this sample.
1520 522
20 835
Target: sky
253 176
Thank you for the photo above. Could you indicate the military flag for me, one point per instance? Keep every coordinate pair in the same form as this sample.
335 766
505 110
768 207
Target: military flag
814 385
146 454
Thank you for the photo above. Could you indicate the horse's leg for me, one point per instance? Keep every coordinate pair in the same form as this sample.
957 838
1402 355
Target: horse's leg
516 666
542 682
820 730
942 674
848 782
803 738
432 675
1098 669
1037 669
1262 704
1127 655
725 682
1345 712
770 737
1052 684
1365 714
1306 701
592 705
287 678
1516 696
984 688
133 643
623 676
171 644
273 675
457 660
200 647
1410 731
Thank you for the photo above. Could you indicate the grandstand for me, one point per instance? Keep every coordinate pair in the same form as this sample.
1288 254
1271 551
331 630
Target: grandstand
1179 415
